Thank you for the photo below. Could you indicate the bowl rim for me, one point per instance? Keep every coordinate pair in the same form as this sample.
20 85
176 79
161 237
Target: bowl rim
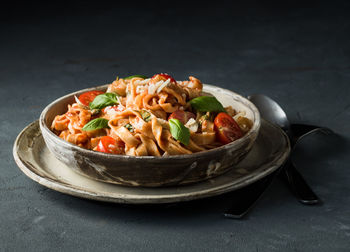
255 127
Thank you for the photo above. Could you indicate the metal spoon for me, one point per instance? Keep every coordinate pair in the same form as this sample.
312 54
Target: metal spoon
250 194
272 112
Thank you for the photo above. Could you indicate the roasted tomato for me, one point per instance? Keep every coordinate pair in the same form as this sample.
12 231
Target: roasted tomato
164 77
88 97
108 144
227 129
182 116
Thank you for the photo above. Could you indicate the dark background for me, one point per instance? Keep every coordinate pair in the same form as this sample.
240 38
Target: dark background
297 52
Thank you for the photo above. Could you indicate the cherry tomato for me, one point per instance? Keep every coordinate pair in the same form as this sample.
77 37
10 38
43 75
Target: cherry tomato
165 77
227 129
88 97
182 116
108 144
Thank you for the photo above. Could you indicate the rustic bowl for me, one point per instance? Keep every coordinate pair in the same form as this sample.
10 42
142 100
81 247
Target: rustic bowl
150 171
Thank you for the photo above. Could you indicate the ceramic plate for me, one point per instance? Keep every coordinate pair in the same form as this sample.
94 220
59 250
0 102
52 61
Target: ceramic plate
33 157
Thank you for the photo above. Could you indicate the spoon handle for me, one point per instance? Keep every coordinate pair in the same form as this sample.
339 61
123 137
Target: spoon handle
293 178
298 185
302 130
245 198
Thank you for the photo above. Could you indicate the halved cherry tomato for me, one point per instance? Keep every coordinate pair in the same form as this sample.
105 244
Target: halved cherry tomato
88 97
227 129
165 77
182 116
108 144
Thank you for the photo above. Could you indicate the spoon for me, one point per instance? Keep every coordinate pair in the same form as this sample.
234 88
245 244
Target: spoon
272 112
250 194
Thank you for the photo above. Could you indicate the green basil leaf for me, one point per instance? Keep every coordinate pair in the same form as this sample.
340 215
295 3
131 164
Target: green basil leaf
179 131
135 76
129 127
104 100
98 123
146 116
207 104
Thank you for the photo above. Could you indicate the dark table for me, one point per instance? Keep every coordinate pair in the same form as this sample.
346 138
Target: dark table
298 54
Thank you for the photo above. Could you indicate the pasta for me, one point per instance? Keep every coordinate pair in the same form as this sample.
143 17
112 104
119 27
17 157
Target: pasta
156 116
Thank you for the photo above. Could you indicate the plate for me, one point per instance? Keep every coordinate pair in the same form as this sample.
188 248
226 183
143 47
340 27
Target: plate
269 152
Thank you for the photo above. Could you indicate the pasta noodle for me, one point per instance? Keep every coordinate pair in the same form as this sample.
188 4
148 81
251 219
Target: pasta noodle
138 121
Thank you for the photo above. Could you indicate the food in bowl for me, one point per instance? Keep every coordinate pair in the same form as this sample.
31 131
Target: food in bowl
157 116
151 171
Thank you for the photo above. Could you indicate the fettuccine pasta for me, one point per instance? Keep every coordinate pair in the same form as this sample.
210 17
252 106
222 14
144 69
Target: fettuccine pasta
156 116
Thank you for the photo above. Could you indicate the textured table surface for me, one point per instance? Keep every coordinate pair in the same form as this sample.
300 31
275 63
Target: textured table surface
297 54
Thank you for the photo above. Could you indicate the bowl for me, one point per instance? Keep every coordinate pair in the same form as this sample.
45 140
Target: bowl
151 171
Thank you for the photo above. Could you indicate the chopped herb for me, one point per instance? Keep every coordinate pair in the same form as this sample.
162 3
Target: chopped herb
202 119
129 127
146 116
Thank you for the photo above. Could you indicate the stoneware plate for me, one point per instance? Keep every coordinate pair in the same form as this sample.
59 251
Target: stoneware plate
34 158
152 171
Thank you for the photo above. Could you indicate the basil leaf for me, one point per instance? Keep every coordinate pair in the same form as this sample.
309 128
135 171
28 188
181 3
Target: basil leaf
135 76
129 127
104 100
98 123
207 103
146 116
179 131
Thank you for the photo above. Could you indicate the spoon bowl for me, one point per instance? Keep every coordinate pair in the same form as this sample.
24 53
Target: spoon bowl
270 110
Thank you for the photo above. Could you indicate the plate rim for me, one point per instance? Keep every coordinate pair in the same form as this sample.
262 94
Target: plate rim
77 191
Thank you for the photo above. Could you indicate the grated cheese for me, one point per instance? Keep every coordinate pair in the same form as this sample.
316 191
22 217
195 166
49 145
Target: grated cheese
140 89
111 146
138 123
162 121
111 112
145 81
163 85
192 125
142 82
152 88
118 99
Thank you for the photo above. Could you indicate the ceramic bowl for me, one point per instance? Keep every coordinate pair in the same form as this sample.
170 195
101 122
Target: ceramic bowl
150 171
